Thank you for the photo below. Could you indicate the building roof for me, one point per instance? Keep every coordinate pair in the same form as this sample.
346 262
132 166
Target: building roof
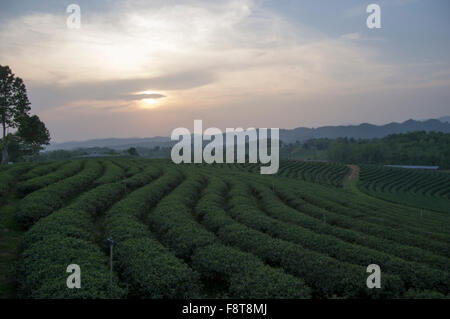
414 166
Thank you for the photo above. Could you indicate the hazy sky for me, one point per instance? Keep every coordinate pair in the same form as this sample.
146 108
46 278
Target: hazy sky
143 68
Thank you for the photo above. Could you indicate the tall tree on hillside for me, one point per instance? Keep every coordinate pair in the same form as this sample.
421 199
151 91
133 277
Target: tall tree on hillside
14 109
14 105
33 133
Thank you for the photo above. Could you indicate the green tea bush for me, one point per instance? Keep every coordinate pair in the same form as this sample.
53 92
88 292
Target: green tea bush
414 274
150 269
301 214
112 173
48 199
173 223
153 272
425 189
39 182
246 275
41 270
42 169
8 175
313 208
74 228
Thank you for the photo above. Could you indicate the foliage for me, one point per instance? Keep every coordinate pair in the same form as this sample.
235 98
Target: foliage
50 198
413 148
14 109
425 189
188 231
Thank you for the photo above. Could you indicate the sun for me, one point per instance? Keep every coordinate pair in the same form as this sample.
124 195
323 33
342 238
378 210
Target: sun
149 101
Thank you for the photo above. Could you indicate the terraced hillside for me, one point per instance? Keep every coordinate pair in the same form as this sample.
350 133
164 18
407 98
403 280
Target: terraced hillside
185 231
331 174
425 189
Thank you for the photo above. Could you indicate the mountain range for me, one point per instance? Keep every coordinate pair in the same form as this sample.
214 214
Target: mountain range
364 130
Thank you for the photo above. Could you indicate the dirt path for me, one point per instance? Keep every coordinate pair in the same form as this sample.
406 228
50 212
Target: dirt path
354 172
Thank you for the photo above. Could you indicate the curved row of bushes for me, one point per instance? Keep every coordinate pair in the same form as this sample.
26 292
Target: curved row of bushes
50 198
150 269
190 231
369 217
383 220
39 182
381 212
8 175
413 274
112 173
245 275
42 169
171 220
67 237
332 174
173 223
348 212
420 188
372 210
131 166
336 216
325 275
364 210
301 214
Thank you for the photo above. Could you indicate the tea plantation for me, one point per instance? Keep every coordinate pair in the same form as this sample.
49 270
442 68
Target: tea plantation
221 231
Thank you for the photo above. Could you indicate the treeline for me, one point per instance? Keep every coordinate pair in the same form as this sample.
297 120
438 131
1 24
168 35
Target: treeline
414 148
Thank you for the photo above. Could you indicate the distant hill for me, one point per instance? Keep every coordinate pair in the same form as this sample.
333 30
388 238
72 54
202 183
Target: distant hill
114 143
445 119
300 134
364 130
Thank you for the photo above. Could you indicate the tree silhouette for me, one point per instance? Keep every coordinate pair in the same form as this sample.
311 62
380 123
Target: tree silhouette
133 151
14 109
33 133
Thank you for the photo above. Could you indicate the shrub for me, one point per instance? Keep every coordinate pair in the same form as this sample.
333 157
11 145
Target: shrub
41 270
246 275
153 272
149 268
48 199
8 175
112 173
39 182
42 169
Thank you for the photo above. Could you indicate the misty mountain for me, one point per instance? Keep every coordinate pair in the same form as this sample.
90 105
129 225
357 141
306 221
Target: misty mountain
114 143
364 130
300 134
444 119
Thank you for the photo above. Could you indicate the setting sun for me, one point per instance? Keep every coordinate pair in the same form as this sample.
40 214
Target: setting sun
149 101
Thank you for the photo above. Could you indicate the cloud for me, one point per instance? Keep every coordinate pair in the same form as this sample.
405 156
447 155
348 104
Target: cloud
54 94
145 96
351 36
197 57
